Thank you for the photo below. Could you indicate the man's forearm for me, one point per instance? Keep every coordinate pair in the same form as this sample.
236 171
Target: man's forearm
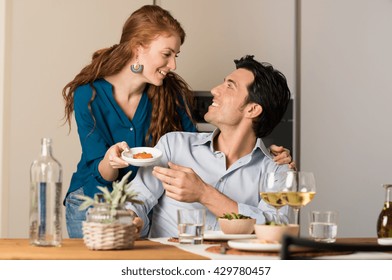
217 202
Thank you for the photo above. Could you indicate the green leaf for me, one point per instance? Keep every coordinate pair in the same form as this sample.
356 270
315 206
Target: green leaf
234 216
88 201
120 194
106 193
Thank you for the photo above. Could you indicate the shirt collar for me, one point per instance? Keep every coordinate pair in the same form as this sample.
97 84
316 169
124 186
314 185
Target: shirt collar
206 138
209 138
260 145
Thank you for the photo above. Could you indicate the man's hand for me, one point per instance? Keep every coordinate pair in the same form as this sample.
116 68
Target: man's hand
181 183
139 225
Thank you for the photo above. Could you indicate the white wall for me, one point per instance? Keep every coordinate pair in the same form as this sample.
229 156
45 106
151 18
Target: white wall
2 91
346 126
220 31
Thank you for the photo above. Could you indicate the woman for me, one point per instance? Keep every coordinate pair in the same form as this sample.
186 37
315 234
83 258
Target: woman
126 97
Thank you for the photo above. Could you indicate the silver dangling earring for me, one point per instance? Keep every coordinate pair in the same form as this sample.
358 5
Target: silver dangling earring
137 68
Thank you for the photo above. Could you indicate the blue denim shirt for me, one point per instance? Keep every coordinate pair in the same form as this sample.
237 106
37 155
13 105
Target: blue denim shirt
240 181
111 126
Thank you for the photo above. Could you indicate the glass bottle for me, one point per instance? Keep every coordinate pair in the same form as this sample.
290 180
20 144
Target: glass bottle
384 222
45 198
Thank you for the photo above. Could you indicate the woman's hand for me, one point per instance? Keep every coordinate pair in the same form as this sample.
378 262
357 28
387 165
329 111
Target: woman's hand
112 161
113 155
282 156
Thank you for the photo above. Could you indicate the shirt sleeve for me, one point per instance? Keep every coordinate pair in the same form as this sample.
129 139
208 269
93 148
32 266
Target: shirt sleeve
93 145
149 190
262 211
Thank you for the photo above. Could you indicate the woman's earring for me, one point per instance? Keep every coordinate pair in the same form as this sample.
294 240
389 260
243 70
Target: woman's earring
136 68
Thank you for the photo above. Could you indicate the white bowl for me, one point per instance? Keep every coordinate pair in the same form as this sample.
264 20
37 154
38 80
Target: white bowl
128 156
237 226
274 233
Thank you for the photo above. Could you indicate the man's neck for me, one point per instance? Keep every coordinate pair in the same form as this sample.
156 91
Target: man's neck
235 144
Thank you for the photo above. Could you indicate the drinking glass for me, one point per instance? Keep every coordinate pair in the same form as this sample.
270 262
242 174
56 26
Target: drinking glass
299 190
191 225
271 191
323 225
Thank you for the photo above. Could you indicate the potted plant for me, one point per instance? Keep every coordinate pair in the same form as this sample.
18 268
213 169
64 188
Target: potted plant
233 223
108 224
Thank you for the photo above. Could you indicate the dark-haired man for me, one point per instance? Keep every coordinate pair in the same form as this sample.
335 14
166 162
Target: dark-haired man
219 171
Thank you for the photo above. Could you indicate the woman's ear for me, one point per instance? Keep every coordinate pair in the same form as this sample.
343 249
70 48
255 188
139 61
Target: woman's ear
253 110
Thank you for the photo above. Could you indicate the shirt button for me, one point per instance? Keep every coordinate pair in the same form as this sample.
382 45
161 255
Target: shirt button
209 227
131 129
221 180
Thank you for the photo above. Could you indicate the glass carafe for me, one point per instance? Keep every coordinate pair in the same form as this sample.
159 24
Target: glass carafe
45 198
384 222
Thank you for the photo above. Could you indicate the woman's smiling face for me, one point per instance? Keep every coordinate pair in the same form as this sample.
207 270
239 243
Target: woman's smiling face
159 58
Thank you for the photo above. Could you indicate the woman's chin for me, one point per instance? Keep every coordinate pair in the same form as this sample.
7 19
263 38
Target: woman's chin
157 82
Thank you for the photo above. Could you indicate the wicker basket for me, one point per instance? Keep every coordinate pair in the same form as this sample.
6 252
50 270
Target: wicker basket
108 236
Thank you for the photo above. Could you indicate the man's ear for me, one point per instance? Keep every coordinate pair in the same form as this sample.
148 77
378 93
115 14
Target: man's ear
253 110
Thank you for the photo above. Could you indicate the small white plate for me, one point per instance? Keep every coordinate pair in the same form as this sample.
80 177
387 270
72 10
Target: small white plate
254 245
384 241
128 156
219 235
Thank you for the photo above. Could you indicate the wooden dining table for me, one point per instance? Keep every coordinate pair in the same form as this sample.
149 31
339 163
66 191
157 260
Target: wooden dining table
74 249
144 249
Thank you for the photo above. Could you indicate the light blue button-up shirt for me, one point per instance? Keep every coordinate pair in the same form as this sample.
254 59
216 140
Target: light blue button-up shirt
196 150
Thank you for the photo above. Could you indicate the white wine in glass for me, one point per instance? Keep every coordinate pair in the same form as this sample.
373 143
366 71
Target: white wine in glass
300 189
270 190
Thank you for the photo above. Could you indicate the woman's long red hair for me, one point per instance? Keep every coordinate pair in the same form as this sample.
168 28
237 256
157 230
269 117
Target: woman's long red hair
143 26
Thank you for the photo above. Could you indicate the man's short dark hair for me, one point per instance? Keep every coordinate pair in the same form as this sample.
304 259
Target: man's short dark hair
270 90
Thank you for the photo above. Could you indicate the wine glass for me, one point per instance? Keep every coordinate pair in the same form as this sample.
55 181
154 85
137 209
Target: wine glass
271 191
300 189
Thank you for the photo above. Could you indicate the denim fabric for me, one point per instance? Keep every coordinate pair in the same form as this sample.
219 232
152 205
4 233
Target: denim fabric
74 217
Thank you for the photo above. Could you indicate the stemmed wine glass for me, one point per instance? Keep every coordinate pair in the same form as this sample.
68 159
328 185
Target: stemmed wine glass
299 190
271 191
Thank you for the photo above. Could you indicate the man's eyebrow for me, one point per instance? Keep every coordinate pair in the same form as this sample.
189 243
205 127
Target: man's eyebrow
231 81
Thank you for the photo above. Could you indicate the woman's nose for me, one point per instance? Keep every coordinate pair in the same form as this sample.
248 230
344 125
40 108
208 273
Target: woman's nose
172 64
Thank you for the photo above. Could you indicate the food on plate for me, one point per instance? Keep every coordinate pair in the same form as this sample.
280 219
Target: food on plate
233 223
142 155
234 216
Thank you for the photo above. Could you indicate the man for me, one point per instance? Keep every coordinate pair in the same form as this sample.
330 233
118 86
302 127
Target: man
219 171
